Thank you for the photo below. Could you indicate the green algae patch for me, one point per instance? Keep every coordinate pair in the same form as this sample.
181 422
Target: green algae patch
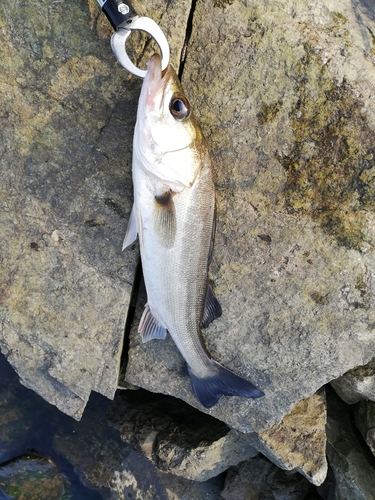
268 112
222 3
330 168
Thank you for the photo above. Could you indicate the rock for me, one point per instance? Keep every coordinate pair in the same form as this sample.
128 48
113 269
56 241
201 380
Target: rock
357 384
347 455
177 438
364 415
93 448
327 489
27 422
284 93
67 118
258 478
112 466
133 482
178 488
33 477
298 442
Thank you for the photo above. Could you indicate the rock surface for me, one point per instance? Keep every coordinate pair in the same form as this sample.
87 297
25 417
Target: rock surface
64 285
177 438
92 461
258 479
67 117
357 384
364 415
348 456
284 92
33 477
298 442
285 95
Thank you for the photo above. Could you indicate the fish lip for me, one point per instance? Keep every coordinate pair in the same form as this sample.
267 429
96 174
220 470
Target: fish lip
157 79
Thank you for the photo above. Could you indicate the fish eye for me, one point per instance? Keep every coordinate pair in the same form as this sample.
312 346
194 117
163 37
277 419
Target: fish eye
179 107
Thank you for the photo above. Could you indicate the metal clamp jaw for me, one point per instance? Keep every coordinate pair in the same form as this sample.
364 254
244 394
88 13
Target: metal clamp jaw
124 20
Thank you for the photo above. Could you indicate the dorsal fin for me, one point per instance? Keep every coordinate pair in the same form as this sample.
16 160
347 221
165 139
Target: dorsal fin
149 327
212 308
164 218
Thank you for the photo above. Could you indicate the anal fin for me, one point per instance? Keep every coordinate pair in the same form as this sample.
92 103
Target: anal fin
150 328
212 308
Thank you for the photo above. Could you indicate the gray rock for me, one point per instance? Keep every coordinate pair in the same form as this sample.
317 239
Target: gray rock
177 438
258 479
134 480
357 384
178 488
284 95
364 415
347 455
67 117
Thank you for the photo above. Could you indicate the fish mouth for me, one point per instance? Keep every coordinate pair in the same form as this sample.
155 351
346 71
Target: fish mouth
156 81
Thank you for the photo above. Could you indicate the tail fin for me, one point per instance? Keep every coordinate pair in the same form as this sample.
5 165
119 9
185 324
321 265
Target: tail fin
208 390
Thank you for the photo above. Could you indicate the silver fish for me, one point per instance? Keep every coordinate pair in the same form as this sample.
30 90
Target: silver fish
173 214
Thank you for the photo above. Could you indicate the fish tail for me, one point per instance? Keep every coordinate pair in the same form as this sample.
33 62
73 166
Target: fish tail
208 390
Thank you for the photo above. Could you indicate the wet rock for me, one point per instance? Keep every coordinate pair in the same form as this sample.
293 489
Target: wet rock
298 442
284 94
348 456
327 489
177 438
93 448
117 467
257 479
67 117
27 422
96 462
364 415
357 384
33 477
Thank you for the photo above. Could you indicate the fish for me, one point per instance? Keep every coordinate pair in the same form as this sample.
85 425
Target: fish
173 216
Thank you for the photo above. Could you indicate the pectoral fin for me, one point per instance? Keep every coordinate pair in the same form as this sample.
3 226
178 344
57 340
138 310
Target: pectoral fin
212 308
134 227
150 328
164 218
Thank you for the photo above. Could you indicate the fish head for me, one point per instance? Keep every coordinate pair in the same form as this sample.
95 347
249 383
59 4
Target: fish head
166 138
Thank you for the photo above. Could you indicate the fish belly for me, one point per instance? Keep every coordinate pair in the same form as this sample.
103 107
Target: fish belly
176 276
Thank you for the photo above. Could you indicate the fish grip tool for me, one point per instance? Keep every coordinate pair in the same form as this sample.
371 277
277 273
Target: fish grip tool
124 19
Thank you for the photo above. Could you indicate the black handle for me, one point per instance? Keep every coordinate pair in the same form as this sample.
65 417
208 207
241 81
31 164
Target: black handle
113 10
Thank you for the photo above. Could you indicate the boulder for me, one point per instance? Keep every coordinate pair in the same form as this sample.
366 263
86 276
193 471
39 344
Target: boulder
298 442
134 480
67 118
178 488
348 456
177 438
33 477
258 478
364 416
284 94
357 384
